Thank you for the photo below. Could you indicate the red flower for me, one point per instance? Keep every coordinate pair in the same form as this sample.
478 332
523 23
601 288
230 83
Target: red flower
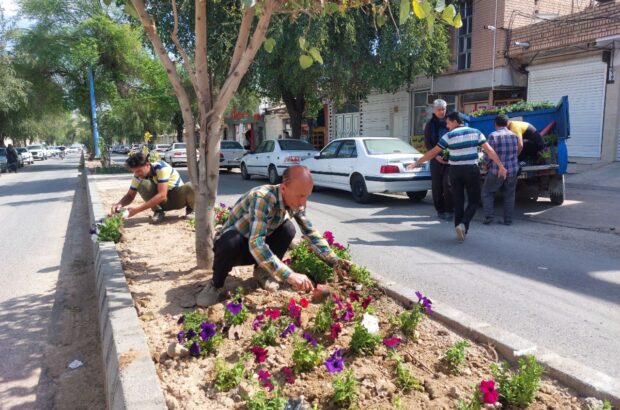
366 302
489 394
335 330
329 237
288 375
292 301
260 354
273 314
303 302
263 375
391 342
287 261
268 385
354 296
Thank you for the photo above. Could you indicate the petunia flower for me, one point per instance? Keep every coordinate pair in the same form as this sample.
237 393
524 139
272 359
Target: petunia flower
371 323
334 362
181 336
339 246
426 303
260 354
294 311
289 329
92 231
208 331
258 322
287 261
289 376
222 205
489 394
191 334
181 320
273 314
366 302
309 338
335 330
303 302
194 349
268 385
348 314
329 237
337 301
263 375
354 296
392 342
419 295
234 308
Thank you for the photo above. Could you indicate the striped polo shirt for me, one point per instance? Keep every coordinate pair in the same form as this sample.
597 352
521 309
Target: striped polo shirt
463 143
160 173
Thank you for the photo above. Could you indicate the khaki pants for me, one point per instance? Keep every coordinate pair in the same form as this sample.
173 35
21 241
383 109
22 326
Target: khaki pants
177 198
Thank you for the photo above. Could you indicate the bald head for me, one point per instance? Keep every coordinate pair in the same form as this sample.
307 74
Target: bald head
296 186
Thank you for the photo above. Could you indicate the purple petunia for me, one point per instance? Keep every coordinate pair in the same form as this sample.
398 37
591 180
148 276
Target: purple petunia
348 314
208 331
309 338
234 308
92 231
289 329
426 302
222 205
191 334
181 336
257 322
181 320
334 362
194 350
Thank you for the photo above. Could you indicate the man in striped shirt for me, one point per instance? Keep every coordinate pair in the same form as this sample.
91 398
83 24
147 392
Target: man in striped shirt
259 231
159 185
463 143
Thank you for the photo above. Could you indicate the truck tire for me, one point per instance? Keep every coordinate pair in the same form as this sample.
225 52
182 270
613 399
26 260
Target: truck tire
417 196
556 190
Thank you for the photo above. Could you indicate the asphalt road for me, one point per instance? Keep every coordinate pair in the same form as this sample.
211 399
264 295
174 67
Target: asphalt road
39 318
554 285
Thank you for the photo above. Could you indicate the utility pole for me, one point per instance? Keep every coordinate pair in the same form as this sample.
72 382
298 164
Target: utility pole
93 112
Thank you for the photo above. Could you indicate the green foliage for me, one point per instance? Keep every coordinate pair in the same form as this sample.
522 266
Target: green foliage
361 275
193 321
267 335
260 401
404 379
303 260
345 389
409 320
110 228
474 403
397 402
192 223
305 356
240 317
324 318
521 106
362 341
455 355
226 377
605 406
222 213
520 387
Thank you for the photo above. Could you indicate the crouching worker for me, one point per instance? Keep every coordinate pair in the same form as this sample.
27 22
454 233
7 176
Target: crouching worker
259 231
159 185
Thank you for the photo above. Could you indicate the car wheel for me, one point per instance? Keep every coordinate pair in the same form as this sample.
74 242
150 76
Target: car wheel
244 172
273 175
417 196
358 189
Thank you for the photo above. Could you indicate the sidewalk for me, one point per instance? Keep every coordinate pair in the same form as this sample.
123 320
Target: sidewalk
592 202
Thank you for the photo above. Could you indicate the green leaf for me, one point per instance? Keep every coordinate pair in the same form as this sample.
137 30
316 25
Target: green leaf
302 43
107 2
417 9
269 44
440 6
405 10
382 19
430 24
448 14
305 61
130 9
316 55
428 9
457 23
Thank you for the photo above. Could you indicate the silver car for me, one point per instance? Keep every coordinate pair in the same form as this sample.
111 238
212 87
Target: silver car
230 154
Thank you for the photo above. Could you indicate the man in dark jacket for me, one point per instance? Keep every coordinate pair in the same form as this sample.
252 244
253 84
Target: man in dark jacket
12 158
435 128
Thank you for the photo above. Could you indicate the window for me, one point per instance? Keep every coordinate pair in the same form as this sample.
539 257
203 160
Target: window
347 150
231 145
379 146
464 37
422 111
330 150
262 147
295 145
269 146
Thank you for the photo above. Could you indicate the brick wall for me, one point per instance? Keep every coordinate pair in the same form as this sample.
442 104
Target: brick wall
519 13
576 29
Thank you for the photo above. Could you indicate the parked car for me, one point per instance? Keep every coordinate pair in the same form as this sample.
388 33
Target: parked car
272 157
25 155
4 163
364 166
38 152
230 154
53 151
161 148
176 154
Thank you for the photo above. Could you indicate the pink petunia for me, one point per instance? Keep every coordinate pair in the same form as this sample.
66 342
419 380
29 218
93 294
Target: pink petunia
263 375
260 354
303 302
289 376
489 394
329 237
391 342
366 302
273 314
348 314
258 322
354 296
335 330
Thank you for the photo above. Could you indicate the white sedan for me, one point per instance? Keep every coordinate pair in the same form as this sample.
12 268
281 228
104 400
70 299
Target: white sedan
230 154
26 155
364 166
272 157
176 154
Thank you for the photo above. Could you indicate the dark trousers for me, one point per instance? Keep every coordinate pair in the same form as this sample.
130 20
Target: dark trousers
232 249
465 178
440 176
533 143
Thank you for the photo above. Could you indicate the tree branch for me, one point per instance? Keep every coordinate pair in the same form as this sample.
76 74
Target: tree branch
242 38
177 43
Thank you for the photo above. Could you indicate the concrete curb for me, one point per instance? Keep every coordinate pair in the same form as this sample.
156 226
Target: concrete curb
131 380
586 381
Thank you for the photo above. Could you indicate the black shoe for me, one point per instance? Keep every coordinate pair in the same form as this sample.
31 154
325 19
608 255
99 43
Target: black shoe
488 220
157 217
189 213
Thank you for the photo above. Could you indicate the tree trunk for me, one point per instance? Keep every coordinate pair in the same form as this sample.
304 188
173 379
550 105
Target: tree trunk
177 120
295 105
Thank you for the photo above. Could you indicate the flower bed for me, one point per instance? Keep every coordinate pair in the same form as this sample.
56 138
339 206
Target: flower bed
258 350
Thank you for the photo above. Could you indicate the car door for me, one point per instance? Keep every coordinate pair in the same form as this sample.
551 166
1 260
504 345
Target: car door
267 157
252 159
320 164
343 164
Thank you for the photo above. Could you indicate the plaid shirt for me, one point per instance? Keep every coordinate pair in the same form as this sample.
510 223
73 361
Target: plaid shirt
260 212
504 142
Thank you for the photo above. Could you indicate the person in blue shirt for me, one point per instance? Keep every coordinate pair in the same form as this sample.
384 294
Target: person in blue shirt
463 143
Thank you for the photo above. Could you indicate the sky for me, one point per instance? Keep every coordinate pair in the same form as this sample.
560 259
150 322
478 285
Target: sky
10 13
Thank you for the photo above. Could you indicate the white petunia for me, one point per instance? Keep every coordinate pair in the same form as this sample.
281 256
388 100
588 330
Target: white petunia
371 323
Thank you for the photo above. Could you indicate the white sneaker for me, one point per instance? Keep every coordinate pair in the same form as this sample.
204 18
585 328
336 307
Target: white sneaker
265 280
210 295
460 232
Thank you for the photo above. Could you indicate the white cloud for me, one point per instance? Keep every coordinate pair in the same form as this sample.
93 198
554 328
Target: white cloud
10 7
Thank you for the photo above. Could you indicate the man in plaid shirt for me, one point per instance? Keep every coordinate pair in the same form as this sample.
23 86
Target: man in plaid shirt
505 144
259 231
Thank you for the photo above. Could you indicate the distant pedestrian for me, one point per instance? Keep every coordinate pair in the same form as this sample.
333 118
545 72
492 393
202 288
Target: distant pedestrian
505 144
435 128
463 143
12 158
286 135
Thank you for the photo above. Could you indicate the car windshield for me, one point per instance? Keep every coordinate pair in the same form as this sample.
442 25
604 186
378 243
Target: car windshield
179 146
3 152
382 146
231 145
20 150
34 147
295 145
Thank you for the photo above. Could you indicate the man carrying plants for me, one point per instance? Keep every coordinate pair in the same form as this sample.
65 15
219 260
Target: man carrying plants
159 185
259 231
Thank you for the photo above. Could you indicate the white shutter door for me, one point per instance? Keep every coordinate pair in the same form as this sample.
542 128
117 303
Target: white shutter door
583 81
618 147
